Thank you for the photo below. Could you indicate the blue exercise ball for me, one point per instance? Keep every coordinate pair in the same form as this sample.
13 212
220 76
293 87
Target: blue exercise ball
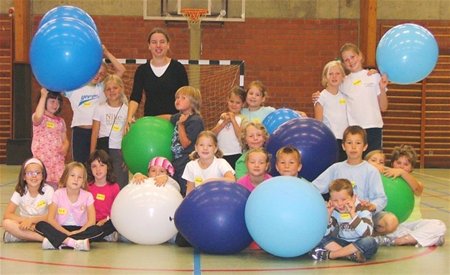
313 139
68 11
286 216
211 218
407 53
65 54
278 117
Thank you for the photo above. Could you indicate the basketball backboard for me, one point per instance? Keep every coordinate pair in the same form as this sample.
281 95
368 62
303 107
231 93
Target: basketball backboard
218 10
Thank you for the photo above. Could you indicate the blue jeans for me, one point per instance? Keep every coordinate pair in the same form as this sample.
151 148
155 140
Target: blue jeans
367 245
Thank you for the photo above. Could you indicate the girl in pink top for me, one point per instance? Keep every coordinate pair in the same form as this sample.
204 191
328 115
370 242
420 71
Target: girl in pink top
50 143
104 189
71 216
257 161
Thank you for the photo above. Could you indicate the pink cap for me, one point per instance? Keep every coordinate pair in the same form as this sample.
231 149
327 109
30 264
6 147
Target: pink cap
162 162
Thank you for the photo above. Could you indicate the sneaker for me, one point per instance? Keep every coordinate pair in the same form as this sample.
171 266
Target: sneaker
440 241
10 238
113 237
319 254
82 245
357 257
46 244
384 241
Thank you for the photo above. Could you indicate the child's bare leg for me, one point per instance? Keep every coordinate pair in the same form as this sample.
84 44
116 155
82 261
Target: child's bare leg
13 227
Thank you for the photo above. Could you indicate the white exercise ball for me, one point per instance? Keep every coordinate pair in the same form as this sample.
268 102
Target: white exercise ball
143 213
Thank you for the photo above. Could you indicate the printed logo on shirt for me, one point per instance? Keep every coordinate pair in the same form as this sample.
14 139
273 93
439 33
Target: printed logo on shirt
86 100
198 180
62 211
100 197
41 203
342 101
50 124
357 82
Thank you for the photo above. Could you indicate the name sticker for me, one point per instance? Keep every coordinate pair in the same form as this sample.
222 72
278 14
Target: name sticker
50 124
116 128
41 204
198 181
357 82
62 211
345 216
100 197
342 101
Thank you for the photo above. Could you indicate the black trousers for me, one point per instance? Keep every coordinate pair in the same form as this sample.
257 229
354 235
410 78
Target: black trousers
57 237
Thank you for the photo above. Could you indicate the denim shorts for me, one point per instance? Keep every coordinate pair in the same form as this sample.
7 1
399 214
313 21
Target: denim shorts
367 245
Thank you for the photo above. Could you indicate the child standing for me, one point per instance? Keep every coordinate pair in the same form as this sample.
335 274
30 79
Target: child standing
254 135
255 97
188 125
108 122
331 106
160 170
366 96
50 143
228 129
288 161
207 163
32 198
415 230
349 227
71 216
104 189
366 180
258 163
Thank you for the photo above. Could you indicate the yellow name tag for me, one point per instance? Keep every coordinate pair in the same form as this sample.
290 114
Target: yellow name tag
342 101
50 124
353 183
198 181
100 197
357 82
87 104
62 211
116 128
41 204
345 216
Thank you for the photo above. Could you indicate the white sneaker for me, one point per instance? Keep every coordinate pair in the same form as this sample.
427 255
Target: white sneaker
10 238
113 237
46 244
82 245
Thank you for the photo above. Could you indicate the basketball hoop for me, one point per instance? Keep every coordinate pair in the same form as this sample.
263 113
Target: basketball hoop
194 16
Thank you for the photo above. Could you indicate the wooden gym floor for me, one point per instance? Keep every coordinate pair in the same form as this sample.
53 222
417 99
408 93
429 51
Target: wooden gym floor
119 258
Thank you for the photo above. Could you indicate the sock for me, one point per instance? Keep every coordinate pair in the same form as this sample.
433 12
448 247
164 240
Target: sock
71 242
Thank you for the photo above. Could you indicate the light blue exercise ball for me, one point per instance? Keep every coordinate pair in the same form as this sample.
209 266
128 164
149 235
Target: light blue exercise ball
286 216
68 11
407 53
278 117
65 54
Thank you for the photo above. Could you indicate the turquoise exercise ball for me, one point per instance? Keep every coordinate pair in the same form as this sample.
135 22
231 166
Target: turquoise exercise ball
65 54
68 11
286 216
147 138
400 197
407 53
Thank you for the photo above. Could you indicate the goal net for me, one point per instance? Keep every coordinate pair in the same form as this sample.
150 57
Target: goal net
214 78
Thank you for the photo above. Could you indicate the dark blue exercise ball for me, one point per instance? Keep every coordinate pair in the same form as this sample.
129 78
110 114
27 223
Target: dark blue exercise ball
65 54
68 11
314 140
212 218
278 117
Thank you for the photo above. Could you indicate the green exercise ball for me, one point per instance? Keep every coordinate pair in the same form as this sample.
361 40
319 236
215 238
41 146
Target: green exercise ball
147 138
400 197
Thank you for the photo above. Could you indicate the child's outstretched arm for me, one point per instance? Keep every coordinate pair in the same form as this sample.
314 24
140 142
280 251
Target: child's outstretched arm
138 178
184 139
40 108
416 186
119 69
382 97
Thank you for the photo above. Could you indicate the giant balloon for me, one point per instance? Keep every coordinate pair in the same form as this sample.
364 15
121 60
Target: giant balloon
65 54
407 53
211 218
68 11
286 216
312 138
400 197
143 213
147 138
278 117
